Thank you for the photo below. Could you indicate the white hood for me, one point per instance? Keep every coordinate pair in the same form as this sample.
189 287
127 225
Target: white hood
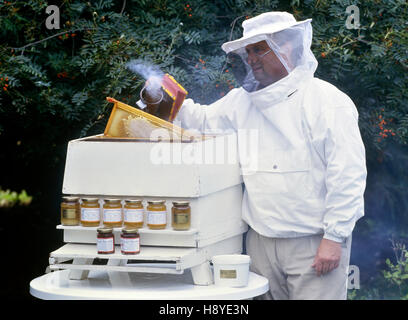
290 41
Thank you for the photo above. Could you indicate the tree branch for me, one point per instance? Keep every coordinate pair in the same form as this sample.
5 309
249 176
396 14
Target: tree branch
233 25
123 7
50 37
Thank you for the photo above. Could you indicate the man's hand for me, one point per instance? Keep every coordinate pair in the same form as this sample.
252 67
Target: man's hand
327 257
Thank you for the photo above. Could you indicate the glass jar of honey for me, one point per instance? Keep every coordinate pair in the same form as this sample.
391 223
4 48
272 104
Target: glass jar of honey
156 214
70 211
105 241
181 215
130 241
133 213
90 212
112 213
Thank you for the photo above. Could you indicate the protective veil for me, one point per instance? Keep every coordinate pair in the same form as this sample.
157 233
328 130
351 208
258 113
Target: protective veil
291 46
307 174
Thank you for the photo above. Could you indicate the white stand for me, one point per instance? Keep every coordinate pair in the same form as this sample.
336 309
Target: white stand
202 274
109 285
80 274
151 259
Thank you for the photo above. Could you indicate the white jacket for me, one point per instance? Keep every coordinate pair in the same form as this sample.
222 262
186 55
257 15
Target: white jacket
311 172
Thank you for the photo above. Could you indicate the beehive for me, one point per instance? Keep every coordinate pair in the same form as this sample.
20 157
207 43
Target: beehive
122 113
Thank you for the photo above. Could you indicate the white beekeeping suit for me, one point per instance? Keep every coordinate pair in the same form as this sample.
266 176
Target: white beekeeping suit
310 172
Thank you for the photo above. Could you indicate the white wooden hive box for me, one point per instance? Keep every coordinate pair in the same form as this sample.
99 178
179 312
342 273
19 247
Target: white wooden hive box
205 172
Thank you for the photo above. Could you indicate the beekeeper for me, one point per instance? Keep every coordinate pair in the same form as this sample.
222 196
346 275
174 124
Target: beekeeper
305 194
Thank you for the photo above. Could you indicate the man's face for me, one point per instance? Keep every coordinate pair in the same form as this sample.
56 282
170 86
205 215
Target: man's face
267 68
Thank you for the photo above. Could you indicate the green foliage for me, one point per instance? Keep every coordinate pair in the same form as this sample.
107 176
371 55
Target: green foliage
11 198
392 283
397 274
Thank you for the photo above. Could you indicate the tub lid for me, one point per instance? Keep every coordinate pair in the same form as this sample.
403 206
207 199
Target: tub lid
231 259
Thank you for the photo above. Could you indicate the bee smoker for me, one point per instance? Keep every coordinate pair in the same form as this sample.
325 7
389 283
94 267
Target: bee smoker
163 98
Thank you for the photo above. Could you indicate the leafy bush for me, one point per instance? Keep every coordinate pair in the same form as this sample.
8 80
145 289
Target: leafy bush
397 274
391 283
9 198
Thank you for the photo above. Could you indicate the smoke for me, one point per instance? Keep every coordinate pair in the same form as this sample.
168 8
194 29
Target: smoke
150 73
385 220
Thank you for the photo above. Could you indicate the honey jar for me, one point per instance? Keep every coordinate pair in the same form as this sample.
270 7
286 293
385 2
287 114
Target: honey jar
90 212
130 241
156 214
105 241
112 213
133 213
181 215
70 211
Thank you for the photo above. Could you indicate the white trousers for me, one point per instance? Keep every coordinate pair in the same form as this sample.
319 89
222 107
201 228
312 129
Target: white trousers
286 263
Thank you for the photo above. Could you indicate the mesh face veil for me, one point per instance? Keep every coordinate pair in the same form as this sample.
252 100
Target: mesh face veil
268 58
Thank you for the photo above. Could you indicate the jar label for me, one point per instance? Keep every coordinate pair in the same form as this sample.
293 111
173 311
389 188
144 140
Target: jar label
112 215
156 217
90 214
133 215
181 218
228 274
69 213
105 245
130 245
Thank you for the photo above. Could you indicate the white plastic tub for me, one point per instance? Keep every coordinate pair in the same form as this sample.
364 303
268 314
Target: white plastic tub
231 270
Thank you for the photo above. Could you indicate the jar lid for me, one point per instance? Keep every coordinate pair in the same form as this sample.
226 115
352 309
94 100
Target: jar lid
181 203
133 200
156 201
104 230
130 230
112 200
90 199
70 199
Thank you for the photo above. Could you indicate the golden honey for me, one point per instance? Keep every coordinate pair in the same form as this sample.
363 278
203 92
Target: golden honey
90 212
133 213
156 214
112 213
70 211
181 215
